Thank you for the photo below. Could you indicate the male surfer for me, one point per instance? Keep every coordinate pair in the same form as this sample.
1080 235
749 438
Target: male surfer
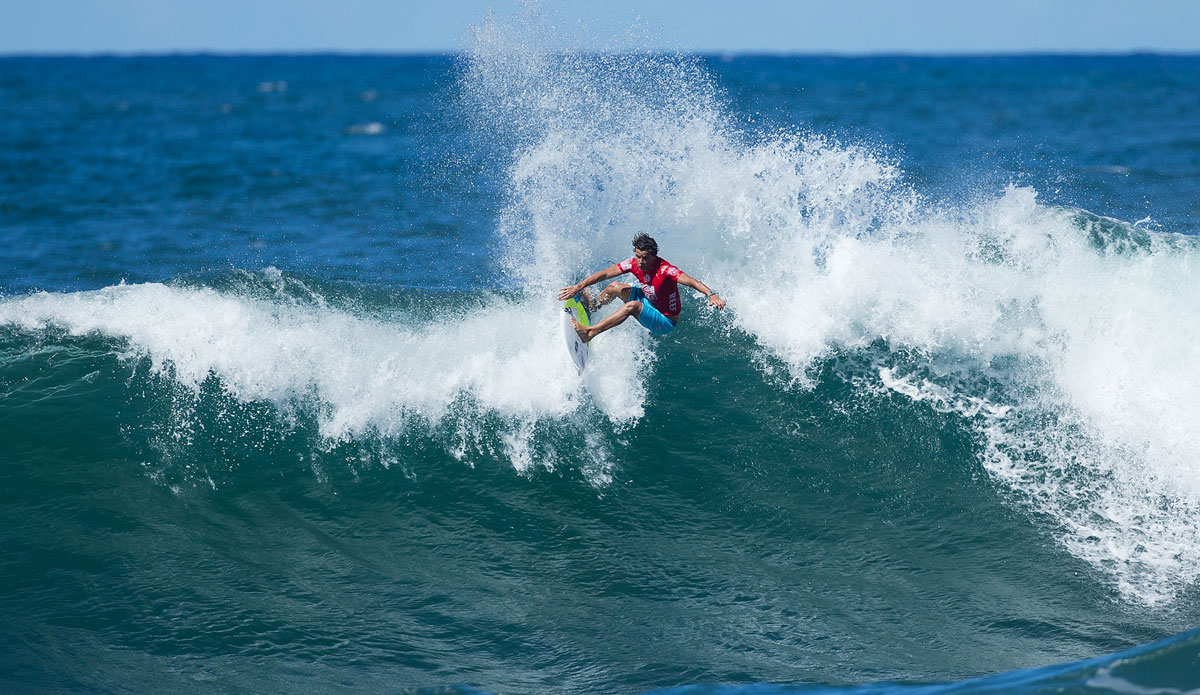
654 302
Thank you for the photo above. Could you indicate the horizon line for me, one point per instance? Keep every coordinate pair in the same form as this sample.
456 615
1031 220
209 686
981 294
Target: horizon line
280 53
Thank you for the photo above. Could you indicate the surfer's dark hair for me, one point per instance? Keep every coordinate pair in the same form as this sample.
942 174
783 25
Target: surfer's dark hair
645 242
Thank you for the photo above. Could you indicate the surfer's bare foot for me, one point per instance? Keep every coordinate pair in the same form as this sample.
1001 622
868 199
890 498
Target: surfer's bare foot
583 332
588 300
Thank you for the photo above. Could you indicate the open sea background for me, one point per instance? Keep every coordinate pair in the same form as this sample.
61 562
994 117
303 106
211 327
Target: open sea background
284 405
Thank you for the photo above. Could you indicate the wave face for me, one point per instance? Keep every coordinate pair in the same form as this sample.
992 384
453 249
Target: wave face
944 428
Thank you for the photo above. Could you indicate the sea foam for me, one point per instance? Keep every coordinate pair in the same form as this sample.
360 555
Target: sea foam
363 376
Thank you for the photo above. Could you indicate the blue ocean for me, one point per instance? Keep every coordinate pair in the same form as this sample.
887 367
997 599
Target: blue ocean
285 404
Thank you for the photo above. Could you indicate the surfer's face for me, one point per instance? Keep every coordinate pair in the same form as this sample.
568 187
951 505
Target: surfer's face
646 260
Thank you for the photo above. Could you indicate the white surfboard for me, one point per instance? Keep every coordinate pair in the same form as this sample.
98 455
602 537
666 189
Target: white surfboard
575 345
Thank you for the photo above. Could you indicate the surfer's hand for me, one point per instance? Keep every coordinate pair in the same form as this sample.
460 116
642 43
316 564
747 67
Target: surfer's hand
715 300
567 292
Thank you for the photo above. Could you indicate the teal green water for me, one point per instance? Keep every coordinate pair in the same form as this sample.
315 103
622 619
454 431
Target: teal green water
741 531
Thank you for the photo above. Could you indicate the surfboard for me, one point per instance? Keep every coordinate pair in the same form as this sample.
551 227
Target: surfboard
576 348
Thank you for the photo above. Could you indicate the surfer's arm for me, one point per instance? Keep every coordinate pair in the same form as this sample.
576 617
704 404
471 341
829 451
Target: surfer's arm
713 298
610 272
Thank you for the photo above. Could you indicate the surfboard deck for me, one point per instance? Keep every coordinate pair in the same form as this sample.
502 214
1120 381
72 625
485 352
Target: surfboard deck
576 348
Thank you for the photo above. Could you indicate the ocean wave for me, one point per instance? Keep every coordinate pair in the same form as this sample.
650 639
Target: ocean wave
1082 326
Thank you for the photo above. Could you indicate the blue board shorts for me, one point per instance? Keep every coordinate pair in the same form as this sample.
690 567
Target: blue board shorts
651 317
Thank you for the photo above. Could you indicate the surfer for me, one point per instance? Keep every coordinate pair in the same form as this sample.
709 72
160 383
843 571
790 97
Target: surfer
654 301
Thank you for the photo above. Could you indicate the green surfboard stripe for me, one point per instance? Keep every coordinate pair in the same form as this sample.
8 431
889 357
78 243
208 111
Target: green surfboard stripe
581 314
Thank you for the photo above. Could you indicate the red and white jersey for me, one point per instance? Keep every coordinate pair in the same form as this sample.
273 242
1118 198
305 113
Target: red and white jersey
662 288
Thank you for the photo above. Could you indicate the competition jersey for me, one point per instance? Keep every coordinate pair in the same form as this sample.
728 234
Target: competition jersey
662 288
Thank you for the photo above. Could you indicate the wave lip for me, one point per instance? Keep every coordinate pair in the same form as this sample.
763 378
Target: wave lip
1168 667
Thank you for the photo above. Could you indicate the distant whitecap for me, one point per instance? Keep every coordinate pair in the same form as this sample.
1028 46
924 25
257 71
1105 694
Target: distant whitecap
372 128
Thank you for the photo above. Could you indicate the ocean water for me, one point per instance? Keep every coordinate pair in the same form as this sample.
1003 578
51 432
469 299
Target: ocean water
284 405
